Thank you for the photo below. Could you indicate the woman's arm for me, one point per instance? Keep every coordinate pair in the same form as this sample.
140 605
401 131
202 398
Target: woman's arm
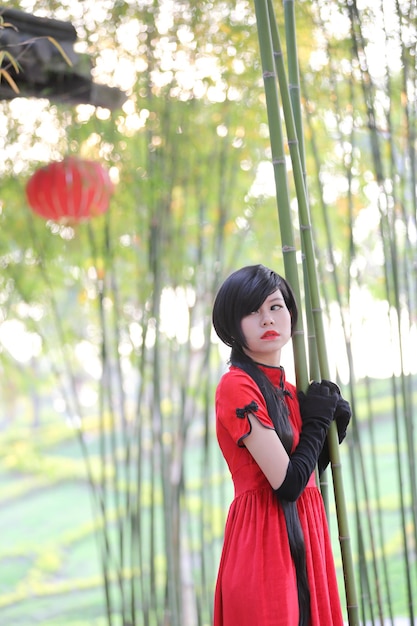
266 448
288 476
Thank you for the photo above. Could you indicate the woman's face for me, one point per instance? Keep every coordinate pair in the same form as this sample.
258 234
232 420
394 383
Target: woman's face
267 330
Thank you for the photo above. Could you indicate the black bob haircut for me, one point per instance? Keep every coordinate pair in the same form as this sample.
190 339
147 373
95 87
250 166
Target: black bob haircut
243 292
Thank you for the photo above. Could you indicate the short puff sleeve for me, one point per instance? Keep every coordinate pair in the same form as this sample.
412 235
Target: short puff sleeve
237 396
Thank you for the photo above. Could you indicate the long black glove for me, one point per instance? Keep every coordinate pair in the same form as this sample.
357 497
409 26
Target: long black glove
317 409
342 417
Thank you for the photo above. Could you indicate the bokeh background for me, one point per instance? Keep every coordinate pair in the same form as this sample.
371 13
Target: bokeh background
113 493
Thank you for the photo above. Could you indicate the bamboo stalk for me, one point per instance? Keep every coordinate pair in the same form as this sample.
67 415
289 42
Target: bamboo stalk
296 125
97 492
281 181
268 36
358 470
388 238
376 480
105 394
400 267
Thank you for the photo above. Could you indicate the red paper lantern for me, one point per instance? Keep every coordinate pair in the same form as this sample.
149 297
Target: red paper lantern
71 190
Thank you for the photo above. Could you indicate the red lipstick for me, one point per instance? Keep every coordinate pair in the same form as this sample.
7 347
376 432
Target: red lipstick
270 334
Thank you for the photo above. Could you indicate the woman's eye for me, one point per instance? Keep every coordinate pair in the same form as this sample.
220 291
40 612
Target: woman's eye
275 307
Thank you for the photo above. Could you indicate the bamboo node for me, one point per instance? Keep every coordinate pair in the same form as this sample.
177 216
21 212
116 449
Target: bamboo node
268 74
288 249
292 142
305 227
278 161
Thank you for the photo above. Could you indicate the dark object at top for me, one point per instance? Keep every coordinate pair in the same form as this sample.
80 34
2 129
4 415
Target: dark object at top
44 71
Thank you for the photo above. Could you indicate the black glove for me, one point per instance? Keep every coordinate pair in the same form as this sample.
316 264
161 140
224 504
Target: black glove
317 409
319 402
342 417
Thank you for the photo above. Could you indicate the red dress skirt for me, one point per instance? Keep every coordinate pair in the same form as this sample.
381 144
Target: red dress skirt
256 584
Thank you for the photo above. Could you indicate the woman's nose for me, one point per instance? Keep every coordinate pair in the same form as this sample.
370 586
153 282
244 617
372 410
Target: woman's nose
267 320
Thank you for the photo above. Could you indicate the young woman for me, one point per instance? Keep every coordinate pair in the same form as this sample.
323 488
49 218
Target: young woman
277 566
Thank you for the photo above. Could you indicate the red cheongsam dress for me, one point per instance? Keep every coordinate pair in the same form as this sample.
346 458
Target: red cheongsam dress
256 584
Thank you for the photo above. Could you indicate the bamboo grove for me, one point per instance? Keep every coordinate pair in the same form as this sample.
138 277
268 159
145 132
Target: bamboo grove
234 109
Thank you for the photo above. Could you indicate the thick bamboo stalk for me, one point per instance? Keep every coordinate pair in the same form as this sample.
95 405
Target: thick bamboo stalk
270 49
281 181
296 118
